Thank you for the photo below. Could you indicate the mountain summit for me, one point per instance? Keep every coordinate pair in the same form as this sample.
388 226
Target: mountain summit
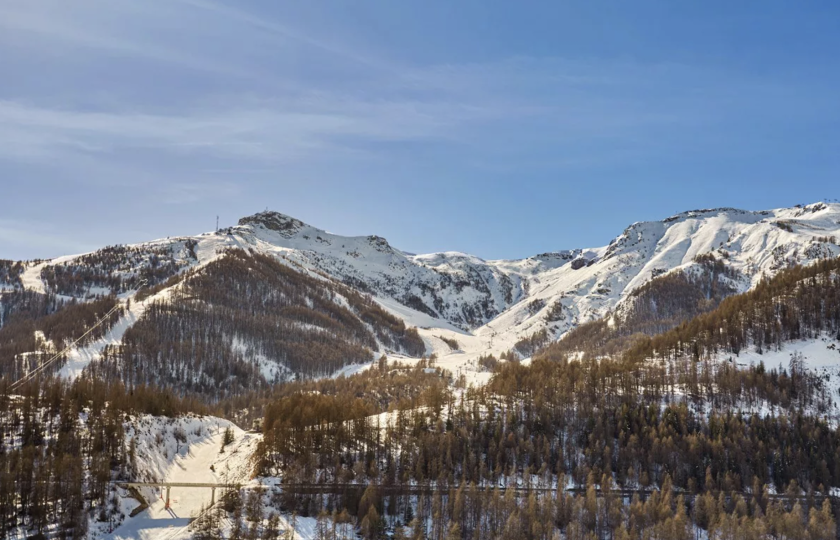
462 306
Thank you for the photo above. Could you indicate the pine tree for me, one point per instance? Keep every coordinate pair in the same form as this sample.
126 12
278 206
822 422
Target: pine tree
227 438
370 525
272 528
322 529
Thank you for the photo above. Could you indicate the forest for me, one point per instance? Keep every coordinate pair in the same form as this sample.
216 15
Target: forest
798 303
226 326
660 441
552 425
116 269
667 438
35 326
10 272
60 447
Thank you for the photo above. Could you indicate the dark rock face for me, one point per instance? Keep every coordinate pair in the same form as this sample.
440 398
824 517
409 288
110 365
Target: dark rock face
579 263
275 221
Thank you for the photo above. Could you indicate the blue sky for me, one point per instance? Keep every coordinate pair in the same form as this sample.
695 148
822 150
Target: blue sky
499 129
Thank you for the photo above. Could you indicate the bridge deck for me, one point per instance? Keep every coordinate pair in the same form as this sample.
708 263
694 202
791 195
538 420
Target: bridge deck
178 484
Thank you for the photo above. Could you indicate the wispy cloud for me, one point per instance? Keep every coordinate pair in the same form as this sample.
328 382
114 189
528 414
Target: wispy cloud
269 130
489 109
182 33
33 237
285 32
111 27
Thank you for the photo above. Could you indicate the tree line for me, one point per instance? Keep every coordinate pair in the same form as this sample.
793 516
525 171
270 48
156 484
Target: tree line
34 326
228 326
655 307
61 444
672 419
117 269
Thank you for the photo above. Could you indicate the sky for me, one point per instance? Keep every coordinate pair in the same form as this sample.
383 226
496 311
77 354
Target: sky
501 129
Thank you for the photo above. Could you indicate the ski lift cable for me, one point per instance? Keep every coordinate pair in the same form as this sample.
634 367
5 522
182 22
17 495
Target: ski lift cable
58 355
17 384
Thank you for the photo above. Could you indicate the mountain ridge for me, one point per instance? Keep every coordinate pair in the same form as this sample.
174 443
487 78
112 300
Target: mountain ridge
488 306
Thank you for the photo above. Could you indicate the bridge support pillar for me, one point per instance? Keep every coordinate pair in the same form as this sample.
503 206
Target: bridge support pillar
167 497
212 496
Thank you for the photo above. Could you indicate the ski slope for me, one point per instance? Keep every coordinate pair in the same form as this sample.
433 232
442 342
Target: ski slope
79 358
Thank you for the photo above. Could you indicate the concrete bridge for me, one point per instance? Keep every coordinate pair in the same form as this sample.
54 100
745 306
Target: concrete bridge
170 485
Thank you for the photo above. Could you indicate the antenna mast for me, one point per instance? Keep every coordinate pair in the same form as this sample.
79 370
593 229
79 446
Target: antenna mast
217 223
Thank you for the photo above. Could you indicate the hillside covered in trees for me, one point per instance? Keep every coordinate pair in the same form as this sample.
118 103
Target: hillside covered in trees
35 326
118 269
663 441
246 320
62 445
658 421
657 306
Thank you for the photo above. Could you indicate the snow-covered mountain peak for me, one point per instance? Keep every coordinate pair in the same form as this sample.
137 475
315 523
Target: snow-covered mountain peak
493 304
709 212
447 257
278 229
555 259
286 226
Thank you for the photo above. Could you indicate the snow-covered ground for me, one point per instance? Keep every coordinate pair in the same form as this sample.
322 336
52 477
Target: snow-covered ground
819 355
196 458
31 276
78 358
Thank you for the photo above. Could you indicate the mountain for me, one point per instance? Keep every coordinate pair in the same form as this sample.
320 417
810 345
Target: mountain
681 388
463 306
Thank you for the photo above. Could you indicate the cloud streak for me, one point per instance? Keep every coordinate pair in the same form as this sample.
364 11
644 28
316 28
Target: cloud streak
105 26
275 131
512 105
16 234
498 108
286 33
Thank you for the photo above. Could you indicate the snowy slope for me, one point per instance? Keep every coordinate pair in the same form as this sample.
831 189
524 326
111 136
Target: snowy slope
79 358
487 306
194 459
820 355
469 292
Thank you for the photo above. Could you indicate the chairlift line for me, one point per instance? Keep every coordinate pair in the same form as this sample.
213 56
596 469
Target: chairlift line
15 385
